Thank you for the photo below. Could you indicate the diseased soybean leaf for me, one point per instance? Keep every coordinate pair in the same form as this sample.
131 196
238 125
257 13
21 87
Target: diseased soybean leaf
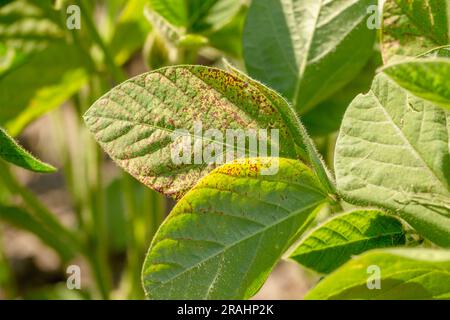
307 50
412 27
224 236
307 149
135 121
335 241
407 274
426 78
393 152
11 152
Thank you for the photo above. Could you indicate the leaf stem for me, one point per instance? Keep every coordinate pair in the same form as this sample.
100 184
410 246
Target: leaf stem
133 248
115 70
41 212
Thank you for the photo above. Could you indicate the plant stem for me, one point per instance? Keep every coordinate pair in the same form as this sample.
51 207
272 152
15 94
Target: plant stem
315 159
7 281
115 70
62 143
41 212
96 203
133 247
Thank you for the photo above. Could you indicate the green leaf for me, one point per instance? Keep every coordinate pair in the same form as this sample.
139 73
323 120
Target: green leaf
228 39
162 26
327 116
307 50
412 27
29 26
32 33
174 11
135 121
25 221
335 241
197 16
307 151
13 153
426 78
130 31
392 152
224 237
406 274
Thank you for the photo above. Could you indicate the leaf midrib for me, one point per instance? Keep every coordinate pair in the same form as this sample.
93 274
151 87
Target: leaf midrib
304 62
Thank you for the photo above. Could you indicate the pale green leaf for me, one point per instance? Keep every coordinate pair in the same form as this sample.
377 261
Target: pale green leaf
135 121
406 274
307 50
336 240
224 237
393 152
11 152
48 70
29 26
412 27
426 78
130 31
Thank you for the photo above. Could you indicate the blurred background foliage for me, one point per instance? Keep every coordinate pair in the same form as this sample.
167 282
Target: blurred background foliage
89 212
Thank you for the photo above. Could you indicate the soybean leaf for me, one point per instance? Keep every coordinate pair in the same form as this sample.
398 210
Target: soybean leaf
327 116
307 50
136 121
224 237
412 27
335 241
307 151
13 153
163 27
29 26
392 152
130 31
31 30
25 221
197 16
228 39
426 78
404 274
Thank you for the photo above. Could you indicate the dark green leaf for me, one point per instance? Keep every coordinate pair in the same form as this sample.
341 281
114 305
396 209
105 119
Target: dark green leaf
335 241
13 153
412 27
307 50
426 78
